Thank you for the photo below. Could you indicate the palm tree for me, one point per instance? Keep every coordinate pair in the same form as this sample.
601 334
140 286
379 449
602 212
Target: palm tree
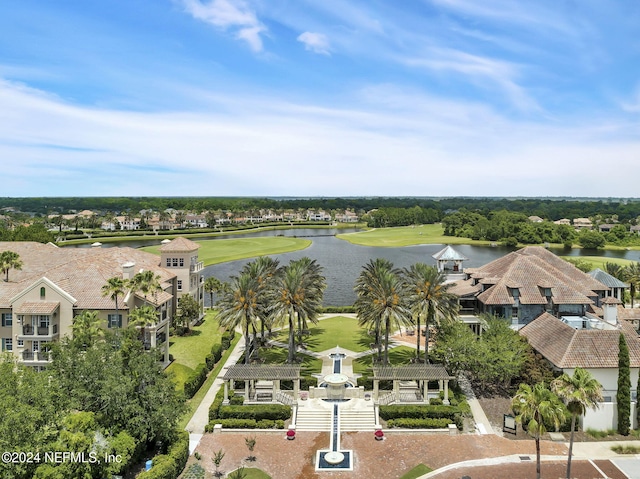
114 288
146 282
297 293
264 270
429 299
239 306
579 392
632 276
86 329
536 406
141 318
615 270
9 260
381 300
213 285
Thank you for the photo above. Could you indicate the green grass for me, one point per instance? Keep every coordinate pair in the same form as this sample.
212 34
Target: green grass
189 351
406 236
397 356
336 331
417 471
275 355
254 473
222 250
625 449
600 261
195 401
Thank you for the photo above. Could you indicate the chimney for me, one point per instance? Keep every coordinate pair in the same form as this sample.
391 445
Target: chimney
127 270
610 307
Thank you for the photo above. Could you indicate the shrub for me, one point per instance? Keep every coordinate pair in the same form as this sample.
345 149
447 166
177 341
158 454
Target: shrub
411 423
419 412
210 361
308 381
216 351
257 412
435 402
195 380
170 465
236 400
216 404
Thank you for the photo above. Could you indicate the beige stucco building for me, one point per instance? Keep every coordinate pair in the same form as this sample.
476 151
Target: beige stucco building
39 302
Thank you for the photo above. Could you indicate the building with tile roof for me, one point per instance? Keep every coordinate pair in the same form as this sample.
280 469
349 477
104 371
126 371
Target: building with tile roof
39 302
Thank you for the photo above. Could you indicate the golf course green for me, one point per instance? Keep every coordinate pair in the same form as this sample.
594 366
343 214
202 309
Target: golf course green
406 236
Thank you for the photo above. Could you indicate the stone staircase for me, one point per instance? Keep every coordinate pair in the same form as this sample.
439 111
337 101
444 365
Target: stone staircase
312 419
357 419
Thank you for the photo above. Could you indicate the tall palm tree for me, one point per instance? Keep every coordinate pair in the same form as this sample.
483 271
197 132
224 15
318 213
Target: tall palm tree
429 299
534 407
114 288
264 270
141 318
9 260
579 392
615 270
239 306
632 276
297 294
381 300
86 329
146 283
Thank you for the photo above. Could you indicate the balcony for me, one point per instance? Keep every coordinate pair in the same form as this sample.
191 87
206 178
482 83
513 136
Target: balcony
36 356
38 332
196 267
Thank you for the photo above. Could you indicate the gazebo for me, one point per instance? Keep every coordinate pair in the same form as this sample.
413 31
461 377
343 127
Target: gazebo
414 379
262 381
446 255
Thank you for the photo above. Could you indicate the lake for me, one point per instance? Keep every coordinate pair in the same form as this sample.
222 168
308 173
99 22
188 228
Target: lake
343 261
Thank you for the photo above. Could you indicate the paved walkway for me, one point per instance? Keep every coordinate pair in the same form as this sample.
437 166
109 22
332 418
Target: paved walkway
200 418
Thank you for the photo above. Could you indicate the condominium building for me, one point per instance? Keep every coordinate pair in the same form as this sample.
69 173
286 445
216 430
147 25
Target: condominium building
40 300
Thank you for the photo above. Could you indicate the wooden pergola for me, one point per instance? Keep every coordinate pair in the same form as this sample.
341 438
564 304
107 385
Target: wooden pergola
412 372
263 379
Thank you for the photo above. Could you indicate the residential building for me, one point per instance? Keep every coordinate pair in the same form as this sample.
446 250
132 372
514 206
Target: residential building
39 302
582 223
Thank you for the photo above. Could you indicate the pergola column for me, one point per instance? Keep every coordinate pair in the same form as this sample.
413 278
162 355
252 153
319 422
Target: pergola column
425 386
275 389
296 388
225 401
375 390
446 392
246 390
396 389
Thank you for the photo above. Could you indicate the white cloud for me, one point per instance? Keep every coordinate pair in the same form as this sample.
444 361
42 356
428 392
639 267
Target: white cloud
315 42
234 15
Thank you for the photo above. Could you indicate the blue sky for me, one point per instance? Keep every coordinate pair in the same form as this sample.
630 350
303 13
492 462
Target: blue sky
320 98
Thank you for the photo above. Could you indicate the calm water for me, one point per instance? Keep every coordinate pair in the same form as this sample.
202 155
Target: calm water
343 261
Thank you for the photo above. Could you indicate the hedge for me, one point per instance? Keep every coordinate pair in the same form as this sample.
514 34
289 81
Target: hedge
410 423
216 351
195 380
246 424
170 465
216 404
419 412
257 412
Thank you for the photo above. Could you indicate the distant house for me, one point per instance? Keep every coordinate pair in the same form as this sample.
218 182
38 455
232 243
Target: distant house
319 215
346 217
582 223
635 229
563 221
605 227
535 219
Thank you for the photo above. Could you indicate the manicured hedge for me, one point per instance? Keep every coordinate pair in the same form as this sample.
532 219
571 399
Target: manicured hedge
256 412
216 404
410 423
419 412
216 351
246 424
170 465
195 380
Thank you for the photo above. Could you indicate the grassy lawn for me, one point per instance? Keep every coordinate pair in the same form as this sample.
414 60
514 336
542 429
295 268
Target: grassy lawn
417 471
194 402
600 261
336 331
220 251
397 356
310 365
406 236
189 351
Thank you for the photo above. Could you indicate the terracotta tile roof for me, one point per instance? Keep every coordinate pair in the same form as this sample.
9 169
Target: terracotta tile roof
179 245
38 307
531 270
465 288
567 347
628 314
81 272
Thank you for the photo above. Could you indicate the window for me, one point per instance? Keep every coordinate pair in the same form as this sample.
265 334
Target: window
36 346
514 312
174 262
20 343
179 285
168 262
42 293
114 321
7 344
44 321
181 262
7 319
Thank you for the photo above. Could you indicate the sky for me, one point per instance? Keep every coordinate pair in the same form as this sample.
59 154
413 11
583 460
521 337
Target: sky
320 98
